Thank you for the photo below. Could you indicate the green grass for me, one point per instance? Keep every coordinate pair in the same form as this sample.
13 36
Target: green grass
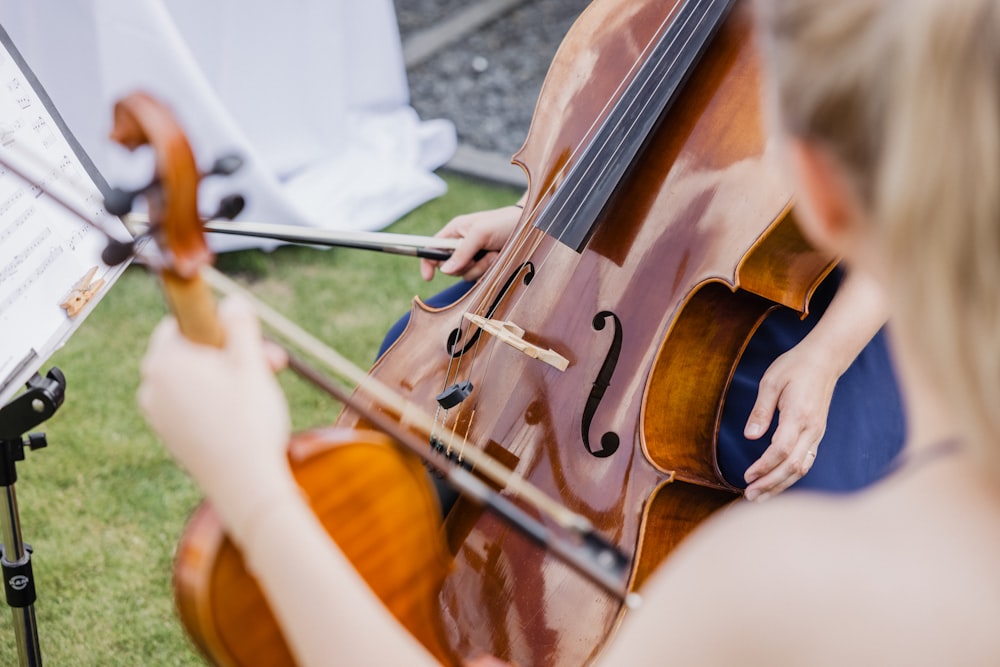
104 504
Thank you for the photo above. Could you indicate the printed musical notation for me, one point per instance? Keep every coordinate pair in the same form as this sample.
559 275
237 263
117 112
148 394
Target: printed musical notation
44 249
18 93
24 287
44 131
8 270
8 132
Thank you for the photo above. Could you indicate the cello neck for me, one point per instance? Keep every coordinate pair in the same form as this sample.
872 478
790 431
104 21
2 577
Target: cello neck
572 213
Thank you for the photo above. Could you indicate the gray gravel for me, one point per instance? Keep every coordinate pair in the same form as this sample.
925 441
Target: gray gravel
488 81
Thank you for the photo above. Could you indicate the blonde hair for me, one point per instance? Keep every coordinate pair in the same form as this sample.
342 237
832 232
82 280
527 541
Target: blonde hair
906 94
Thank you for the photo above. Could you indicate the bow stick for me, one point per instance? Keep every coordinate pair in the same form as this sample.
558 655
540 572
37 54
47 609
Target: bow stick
593 556
427 247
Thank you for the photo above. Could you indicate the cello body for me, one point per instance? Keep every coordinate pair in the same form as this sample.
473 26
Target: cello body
651 309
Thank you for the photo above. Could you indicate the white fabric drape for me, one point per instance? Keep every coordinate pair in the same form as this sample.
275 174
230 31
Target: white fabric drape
311 93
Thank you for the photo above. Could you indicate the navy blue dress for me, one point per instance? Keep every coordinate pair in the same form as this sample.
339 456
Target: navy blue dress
865 428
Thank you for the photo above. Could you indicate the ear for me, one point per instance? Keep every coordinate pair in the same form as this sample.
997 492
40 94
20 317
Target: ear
827 208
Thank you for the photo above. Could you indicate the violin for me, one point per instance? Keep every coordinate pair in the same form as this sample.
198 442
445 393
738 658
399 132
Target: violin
594 357
372 497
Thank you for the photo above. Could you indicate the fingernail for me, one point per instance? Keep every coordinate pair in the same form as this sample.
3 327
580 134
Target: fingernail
448 266
751 495
754 430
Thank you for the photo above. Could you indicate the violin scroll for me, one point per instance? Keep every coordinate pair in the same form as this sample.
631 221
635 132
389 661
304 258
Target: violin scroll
173 203
139 119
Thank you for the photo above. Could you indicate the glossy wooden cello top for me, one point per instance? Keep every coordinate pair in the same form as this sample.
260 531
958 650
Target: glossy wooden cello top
646 268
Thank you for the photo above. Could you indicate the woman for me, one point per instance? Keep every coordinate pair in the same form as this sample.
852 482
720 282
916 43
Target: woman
891 111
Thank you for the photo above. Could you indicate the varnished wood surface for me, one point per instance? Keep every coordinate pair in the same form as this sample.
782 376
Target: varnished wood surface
690 229
377 507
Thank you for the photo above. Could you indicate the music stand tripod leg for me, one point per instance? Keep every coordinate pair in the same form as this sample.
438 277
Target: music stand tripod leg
19 584
39 402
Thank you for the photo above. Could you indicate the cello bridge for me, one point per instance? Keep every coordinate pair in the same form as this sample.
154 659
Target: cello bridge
513 335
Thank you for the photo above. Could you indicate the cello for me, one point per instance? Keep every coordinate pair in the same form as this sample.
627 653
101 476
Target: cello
594 357
371 497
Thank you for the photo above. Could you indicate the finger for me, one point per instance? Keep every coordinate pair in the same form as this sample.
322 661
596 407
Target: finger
781 465
762 413
243 333
427 268
144 398
781 447
780 478
164 332
276 356
166 329
464 255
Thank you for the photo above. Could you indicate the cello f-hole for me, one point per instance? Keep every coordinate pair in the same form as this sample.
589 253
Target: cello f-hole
609 441
456 334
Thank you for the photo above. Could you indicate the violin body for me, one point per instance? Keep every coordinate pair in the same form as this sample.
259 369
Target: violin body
374 503
652 312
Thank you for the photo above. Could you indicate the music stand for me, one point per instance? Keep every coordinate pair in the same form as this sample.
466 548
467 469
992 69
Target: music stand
41 398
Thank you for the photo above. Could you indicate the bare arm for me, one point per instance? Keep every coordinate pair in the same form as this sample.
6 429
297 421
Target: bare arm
328 614
223 416
799 384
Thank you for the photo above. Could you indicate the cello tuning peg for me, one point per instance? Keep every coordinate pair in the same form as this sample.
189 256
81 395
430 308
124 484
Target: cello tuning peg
225 165
230 206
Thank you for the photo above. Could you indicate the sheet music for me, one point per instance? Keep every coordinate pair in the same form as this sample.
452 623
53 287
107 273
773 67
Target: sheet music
45 251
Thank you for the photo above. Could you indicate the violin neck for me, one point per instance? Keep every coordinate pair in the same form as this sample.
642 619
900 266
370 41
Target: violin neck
192 303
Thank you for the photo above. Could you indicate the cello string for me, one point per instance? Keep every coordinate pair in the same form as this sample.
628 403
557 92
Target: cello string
408 413
599 128
629 91
644 96
575 179
591 132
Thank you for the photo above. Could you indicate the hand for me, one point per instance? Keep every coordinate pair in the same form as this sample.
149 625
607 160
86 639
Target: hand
799 384
484 230
221 413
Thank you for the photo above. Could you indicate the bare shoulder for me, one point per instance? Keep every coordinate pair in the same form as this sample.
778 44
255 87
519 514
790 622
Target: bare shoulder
770 583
